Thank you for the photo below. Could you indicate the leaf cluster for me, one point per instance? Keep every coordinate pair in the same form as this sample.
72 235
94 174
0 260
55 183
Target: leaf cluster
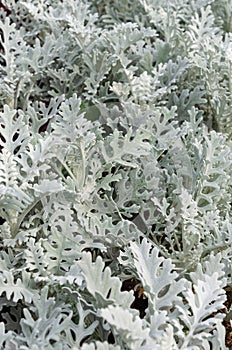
115 163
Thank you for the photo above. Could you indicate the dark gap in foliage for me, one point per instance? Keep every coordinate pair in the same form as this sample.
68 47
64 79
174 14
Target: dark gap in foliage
11 314
108 294
226 323
5 8
140 302
44 127
111 339
2 220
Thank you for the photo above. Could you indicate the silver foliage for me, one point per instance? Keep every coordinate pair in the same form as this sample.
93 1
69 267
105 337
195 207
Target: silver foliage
115 163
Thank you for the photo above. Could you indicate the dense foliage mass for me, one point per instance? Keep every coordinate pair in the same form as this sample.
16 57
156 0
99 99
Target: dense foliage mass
115 164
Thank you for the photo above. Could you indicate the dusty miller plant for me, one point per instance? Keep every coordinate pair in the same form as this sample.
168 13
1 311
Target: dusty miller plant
115 163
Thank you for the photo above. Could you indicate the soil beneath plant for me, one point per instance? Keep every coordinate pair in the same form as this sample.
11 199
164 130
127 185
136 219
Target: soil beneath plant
227 324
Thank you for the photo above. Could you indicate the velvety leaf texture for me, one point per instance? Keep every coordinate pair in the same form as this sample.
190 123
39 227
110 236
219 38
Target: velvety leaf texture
115 175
